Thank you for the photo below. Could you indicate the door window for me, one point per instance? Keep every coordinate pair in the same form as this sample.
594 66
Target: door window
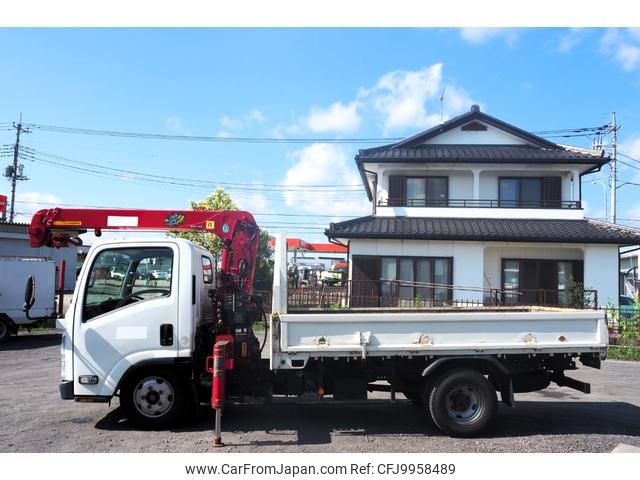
123 276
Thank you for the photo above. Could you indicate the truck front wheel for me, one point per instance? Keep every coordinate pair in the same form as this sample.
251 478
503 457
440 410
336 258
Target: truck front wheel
463 403
153 399
5 329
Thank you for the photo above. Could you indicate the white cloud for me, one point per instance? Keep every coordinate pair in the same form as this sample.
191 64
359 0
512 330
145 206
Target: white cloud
28 203
337 118
173 123
631 147
248 120
406 98
399 99
571 39
482 35
254 203
324 164
230 123
623 46
282 131
255 116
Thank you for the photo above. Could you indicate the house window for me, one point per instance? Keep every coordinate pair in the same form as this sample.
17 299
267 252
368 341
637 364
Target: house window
406 281
418 191
538 282
529 192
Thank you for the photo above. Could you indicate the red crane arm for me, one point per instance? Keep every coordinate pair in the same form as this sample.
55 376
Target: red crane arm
58 227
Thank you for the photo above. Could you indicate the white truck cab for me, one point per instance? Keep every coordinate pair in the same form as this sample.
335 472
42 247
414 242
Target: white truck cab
118 323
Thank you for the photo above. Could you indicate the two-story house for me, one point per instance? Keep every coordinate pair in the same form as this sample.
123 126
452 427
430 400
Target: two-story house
477 210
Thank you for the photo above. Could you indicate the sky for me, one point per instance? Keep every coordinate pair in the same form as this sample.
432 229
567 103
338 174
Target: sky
295 83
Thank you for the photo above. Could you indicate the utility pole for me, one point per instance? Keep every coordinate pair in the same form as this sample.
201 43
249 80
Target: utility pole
15 172
614 141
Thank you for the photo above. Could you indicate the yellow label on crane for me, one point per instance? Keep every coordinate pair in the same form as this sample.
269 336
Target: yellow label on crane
67 223
210 224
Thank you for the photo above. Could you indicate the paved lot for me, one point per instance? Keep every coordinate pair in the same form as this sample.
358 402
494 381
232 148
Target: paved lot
34 419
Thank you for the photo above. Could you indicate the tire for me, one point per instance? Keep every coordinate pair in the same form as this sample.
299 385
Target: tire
5 329
153 399
463 403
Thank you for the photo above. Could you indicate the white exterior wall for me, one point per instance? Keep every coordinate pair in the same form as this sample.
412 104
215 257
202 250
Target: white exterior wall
467 258
461 187
479 264
601 272
460 184
491 136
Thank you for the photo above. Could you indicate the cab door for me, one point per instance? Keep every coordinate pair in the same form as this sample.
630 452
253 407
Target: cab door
127 313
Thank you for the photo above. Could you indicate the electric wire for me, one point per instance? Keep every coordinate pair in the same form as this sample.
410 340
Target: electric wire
237 186
560 133
188 184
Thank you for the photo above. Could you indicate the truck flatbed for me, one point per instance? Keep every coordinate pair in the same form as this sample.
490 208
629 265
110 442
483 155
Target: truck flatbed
534 330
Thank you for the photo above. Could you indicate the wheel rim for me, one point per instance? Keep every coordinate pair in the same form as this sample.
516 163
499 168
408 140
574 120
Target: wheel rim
464 404
153 396
4 330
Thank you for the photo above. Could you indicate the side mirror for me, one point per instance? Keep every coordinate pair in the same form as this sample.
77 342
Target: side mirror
29 294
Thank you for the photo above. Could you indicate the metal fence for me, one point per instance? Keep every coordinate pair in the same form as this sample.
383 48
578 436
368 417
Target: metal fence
579 298
623 324
416 295
476 203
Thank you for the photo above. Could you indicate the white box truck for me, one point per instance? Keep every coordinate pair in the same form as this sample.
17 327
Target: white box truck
14 272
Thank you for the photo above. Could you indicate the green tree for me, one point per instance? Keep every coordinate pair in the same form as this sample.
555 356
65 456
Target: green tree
218 200
221 200
263 279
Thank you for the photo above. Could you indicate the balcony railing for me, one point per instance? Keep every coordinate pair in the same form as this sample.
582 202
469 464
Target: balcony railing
475 203
586 298
397 294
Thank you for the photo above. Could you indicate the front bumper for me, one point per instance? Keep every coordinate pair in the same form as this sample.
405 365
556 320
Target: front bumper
66 389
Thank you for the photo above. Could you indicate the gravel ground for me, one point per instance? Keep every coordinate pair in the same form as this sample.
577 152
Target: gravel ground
35 419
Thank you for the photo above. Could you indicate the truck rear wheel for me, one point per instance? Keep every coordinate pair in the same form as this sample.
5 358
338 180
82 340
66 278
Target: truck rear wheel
5 330
153 399
463 403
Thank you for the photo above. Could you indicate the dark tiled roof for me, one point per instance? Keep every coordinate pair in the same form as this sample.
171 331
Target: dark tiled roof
487 229
478 154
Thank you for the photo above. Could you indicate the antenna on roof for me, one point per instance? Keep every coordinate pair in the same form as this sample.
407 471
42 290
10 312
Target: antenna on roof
442 105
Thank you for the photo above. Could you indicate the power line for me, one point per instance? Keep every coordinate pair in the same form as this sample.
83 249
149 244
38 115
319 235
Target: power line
628 157
238 186
201 138
560 133
270 214
629 165
187 183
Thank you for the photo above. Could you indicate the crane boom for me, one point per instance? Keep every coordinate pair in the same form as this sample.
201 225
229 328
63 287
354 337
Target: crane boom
58 227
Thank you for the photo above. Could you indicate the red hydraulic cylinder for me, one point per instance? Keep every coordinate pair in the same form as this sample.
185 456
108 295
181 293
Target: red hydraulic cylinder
218 364
219 375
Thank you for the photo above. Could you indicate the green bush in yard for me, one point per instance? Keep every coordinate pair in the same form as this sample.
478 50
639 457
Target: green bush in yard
627 345
623 352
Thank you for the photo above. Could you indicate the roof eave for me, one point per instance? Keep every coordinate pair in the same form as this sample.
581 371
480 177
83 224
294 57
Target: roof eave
479 116
363 176
593 161
473 238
